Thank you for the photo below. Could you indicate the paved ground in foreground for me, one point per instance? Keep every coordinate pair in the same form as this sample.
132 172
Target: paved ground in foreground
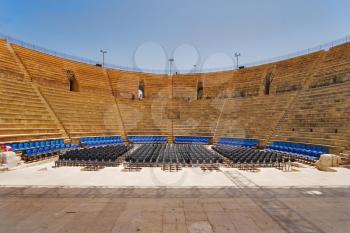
174 210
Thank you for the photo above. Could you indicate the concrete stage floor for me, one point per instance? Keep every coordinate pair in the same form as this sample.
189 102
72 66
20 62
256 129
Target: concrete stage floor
188 210
44 175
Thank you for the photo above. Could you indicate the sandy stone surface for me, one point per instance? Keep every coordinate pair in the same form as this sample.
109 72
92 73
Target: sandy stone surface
187 210
45 175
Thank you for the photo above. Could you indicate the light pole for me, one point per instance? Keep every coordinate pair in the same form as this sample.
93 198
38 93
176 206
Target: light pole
103 57
237 55
171 60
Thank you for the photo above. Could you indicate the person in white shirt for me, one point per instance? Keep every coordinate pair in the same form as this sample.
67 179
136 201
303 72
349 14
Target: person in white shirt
140 95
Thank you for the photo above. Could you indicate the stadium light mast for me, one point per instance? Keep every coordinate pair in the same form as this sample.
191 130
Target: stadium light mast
171 61
237 55
103 56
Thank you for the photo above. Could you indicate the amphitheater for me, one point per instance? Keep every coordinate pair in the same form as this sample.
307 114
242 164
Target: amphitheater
228 151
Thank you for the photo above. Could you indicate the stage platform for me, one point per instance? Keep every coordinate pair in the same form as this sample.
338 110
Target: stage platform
44 175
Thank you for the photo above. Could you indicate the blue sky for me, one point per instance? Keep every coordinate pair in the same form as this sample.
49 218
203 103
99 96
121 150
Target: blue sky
202 32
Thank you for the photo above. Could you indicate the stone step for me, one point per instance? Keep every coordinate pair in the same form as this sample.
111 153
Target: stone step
4 131
23 137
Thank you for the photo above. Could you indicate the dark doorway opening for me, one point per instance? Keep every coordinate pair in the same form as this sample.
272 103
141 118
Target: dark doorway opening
141 91
72 81
268 80
200 90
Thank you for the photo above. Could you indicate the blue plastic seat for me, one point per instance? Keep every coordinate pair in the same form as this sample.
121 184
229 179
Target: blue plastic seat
31 145
20 146
37 144
47 151
25 146
29 152
14 146
41 151
53 148
35 152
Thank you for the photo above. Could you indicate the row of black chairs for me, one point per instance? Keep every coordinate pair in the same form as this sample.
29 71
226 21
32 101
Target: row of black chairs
96 155
184 154
242 155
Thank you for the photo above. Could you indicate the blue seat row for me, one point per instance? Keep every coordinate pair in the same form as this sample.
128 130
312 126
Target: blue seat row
43 151
34 150
98 141
242 142
57 143
298 148
147 139
193 140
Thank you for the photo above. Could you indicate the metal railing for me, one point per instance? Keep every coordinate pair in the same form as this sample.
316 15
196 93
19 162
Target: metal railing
325 46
